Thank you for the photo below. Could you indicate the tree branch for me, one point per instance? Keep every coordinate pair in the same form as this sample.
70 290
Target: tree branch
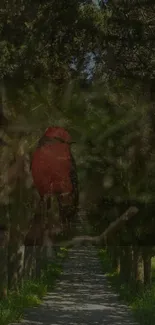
113 227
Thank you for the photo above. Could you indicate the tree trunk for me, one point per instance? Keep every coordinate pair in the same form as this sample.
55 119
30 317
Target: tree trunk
138 274
16 259
115 258
4 238
3 273
30 262
3 119
47 244
147 265
126 263
39 260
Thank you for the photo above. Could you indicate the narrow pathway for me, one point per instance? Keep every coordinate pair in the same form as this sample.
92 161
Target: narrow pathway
82 296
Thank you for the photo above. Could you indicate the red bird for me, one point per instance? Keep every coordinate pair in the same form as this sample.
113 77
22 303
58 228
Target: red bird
53 166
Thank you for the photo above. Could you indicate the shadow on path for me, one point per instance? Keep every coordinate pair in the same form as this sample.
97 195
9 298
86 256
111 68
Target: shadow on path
82 296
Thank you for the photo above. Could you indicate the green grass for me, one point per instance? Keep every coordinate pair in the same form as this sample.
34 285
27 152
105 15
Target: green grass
31 294
142 302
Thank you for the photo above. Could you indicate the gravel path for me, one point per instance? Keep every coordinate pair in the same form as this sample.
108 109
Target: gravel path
82 296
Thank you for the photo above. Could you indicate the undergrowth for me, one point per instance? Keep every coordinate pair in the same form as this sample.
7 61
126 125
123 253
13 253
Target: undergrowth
31 294
142 302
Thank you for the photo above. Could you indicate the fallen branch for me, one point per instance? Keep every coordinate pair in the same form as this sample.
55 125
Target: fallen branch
118 223
113 227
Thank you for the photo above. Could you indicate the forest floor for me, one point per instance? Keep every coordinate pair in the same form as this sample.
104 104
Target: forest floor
82 296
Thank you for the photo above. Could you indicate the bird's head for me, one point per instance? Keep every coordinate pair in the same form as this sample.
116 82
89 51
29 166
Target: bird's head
58 133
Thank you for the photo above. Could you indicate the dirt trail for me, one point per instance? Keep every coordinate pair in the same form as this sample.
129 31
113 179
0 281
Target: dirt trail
82 296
